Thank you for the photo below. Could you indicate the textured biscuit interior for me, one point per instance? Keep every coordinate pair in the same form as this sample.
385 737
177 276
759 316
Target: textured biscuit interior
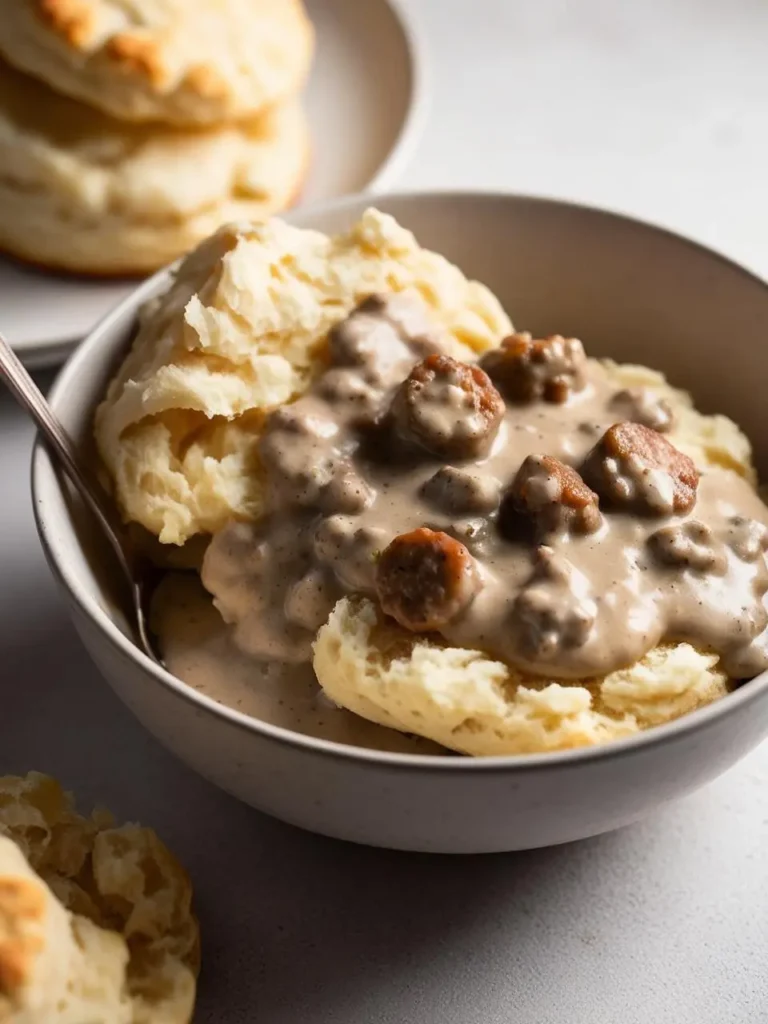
81 190
115 928
468 702
240 331
94 165
174 61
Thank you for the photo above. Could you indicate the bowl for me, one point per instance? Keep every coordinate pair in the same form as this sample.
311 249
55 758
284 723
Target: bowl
629 290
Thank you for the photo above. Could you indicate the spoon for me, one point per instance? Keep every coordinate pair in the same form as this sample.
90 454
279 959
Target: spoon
63 452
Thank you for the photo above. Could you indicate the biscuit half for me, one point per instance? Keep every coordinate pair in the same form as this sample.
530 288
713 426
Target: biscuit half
186 62
95 920
470 703
82 192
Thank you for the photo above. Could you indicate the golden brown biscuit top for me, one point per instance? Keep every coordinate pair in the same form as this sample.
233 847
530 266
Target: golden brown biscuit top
179 61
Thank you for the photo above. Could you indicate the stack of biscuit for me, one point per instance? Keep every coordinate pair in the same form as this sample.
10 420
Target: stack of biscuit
131 129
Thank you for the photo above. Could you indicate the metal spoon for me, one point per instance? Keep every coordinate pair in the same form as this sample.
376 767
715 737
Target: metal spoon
64 453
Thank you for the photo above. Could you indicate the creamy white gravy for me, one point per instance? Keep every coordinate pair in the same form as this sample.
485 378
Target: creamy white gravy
377 448
198 648
504 547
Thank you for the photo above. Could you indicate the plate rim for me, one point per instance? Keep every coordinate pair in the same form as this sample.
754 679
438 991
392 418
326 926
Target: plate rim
414 122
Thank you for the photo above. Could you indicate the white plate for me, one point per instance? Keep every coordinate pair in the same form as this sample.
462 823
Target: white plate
365 101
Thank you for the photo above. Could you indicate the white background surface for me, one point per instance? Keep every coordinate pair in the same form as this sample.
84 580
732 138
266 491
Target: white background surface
657 108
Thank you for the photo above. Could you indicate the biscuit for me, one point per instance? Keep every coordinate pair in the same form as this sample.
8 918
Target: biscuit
184 62
95 920
469 702
55 968
82 192
240 331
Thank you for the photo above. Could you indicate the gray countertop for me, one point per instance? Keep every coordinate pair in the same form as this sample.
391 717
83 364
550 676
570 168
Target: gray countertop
666 921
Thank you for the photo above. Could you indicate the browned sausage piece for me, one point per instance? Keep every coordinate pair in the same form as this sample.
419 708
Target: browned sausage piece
641 405
689 545
425 578
529 370
461 493
747 538
369 342
554 612
450 408
636 467
408 315
555 497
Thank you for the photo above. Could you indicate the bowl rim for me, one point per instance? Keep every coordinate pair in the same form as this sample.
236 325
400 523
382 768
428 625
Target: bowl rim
41 466
414 121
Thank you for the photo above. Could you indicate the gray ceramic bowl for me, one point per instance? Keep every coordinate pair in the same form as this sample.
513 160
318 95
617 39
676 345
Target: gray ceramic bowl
630 291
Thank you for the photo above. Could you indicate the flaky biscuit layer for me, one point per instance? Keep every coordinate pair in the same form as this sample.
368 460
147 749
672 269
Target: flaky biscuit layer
83 192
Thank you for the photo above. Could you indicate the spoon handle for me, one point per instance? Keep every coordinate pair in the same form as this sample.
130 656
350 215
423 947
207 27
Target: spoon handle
65 455
28 395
